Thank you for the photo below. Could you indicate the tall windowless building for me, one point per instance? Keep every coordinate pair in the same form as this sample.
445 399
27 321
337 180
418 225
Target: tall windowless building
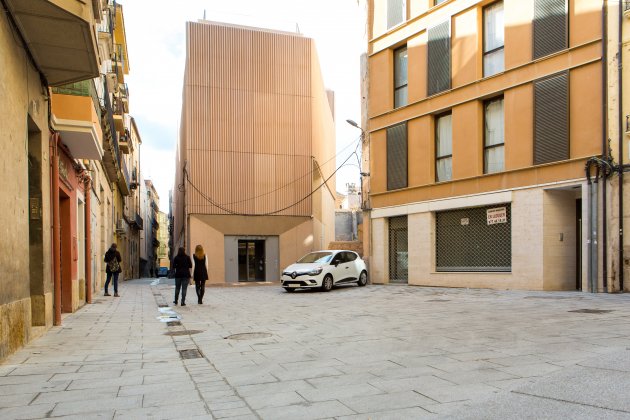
255 174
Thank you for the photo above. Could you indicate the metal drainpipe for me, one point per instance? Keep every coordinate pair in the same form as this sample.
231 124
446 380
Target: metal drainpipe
604 141
56 237
88 240
621 140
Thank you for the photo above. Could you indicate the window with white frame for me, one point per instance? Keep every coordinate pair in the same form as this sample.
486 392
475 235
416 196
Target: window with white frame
493 39
443 148
494 136
396 12
400 77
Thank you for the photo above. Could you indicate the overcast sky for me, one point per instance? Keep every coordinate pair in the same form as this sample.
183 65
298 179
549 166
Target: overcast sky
157 52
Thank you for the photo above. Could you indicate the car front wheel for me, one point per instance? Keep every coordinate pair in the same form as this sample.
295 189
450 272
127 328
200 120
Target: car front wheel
362 279
327 284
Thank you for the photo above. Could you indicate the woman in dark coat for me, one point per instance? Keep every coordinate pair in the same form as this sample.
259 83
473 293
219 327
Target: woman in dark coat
113 269
200 273
181 267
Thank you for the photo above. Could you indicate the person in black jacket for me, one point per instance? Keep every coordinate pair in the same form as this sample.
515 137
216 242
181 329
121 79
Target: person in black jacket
200 273
181 267
113 269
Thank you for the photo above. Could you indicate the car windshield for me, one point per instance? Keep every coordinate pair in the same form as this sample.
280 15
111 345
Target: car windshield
316 257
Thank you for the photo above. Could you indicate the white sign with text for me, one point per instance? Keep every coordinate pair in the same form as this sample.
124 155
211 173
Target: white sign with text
496 215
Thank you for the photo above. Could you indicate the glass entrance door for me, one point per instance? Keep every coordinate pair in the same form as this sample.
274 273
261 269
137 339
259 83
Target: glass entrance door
251 260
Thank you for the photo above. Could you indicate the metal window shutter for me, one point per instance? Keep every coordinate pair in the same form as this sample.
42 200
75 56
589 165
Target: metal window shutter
397 157
551 119
394 12
439 58
464 241
550 27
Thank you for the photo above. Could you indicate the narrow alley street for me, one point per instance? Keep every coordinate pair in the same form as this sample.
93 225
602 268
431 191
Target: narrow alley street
380 352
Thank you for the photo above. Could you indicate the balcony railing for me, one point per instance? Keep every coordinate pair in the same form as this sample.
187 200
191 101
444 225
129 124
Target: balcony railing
83 88
125 178
626 5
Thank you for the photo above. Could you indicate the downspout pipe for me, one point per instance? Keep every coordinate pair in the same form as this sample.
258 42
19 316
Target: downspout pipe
56 237
621 140
88 239
605 155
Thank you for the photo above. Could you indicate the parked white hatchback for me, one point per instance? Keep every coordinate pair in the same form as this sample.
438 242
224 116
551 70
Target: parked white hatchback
325 269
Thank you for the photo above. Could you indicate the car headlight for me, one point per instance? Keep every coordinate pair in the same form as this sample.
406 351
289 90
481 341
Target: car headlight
315 271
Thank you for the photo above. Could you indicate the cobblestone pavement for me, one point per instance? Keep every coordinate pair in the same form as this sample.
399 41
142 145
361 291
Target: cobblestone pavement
379 352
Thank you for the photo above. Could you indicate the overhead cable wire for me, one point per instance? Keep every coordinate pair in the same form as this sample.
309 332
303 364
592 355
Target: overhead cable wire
295 180
220 206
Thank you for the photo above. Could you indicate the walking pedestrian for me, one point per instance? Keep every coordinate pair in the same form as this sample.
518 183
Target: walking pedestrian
200 272
181 266
113 269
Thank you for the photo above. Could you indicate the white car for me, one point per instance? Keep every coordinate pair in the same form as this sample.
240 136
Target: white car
325 269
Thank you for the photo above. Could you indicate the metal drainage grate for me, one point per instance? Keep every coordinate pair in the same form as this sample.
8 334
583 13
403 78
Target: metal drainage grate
592 311
182 332
438 300
248 336
173 323
190 354
552 297
162 306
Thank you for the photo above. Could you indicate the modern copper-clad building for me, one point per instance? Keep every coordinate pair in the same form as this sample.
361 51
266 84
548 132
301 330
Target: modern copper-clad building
255 168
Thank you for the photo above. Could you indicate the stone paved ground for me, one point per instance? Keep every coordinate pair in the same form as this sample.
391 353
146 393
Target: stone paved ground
379 352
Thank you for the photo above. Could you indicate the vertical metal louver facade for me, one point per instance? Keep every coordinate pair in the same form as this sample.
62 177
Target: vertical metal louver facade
468 240
397 157
398 249
395 12
439 58
551 119
550 27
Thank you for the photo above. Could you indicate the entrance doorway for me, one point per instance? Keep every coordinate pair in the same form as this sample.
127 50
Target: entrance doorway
578 244
251 260
398 250
66 252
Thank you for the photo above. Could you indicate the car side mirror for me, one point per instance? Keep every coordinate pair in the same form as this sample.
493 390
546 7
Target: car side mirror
335 263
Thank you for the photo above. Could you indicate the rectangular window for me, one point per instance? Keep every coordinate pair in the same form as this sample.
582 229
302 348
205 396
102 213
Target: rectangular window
396 12
400 77
550 27
397 157
443 148
436 2
474 239
439 58
494 137
551 119
493 39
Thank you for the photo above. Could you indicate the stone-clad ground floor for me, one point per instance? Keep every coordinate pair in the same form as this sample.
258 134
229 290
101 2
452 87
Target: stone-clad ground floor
379 352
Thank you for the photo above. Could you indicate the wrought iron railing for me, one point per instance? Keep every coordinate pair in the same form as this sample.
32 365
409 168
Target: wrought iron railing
109 112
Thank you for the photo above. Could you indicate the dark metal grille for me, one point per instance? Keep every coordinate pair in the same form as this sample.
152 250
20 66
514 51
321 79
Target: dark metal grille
397 157
550 27
398 249
190 354
465 241
551 119
439 57
395 9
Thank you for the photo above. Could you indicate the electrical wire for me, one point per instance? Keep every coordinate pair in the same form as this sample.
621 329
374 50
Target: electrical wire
358 141
186 176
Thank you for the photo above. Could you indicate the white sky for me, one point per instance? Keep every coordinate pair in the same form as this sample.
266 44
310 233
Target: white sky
157 52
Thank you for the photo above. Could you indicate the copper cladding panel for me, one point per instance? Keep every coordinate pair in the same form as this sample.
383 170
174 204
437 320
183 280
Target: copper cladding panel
247 121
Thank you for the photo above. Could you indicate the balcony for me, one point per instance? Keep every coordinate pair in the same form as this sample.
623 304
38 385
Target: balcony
137 223
155 224
119 115
106 27
111 155
124 181
59 35
155 243
76 114
123 95
125 143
